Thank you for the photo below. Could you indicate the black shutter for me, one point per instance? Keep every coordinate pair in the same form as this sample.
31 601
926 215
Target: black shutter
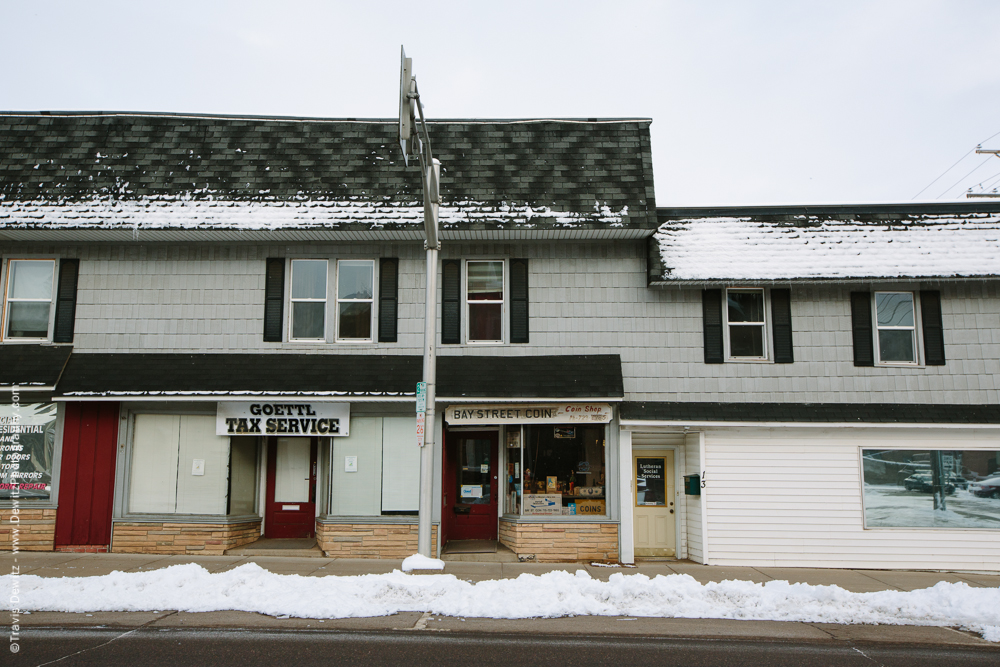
711 312
451 310
274 299
388 288
518 301
69 271
861 317
930 317
781 321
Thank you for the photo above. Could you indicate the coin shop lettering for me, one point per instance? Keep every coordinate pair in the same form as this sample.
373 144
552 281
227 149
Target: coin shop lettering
282 418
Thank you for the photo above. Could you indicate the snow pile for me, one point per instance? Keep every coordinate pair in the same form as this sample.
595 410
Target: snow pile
419 562
205 211
746 249
250 588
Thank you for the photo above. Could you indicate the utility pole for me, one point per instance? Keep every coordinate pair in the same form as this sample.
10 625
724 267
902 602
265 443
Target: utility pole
430 174
984 195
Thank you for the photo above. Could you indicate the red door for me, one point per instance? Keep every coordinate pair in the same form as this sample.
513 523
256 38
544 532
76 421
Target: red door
470 485
87 476
290 500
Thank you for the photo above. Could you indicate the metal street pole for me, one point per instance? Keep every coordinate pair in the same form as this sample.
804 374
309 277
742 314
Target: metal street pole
431 203
430 174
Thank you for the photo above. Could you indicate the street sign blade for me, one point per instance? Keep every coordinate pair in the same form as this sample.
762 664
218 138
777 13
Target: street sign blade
405 103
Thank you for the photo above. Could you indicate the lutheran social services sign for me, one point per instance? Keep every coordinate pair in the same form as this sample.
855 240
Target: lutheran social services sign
282 418
549 413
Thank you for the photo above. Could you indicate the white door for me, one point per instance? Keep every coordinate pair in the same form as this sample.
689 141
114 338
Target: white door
654 512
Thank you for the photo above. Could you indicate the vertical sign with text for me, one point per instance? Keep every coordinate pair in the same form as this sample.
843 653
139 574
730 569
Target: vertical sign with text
421 411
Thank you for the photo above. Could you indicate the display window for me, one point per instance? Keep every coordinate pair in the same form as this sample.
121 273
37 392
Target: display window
178 465
556 470
27 450
931 488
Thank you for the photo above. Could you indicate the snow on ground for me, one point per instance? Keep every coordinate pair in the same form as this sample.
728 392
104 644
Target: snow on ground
892 506
418 562
251 588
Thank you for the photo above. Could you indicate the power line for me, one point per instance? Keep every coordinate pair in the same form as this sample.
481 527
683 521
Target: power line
952 167
964 177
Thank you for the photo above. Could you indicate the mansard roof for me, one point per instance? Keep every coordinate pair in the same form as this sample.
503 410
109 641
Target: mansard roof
826 243
194 177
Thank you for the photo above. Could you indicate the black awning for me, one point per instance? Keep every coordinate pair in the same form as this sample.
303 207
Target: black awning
863 413
556 376
126 374
32 366
231 374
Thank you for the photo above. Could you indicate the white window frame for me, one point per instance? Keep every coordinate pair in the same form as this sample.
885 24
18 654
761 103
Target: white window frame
915 328
373 301
292 300
7 299
765 302
503 302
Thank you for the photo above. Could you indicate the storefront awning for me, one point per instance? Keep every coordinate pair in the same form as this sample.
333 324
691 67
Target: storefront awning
338 377
32 367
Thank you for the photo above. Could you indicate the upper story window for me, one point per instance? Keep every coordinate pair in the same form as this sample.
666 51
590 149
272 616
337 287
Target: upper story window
355 299
28 299
746 329
747 324
896 340
308 299
484 297
896 328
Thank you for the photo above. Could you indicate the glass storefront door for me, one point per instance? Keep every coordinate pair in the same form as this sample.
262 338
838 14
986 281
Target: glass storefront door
470 492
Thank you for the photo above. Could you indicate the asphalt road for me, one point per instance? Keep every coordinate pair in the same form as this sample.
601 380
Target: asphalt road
151 647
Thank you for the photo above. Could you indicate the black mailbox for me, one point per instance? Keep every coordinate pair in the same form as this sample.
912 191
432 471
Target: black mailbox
692 485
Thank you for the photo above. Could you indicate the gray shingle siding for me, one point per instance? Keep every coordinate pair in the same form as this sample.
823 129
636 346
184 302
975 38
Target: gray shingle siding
584 298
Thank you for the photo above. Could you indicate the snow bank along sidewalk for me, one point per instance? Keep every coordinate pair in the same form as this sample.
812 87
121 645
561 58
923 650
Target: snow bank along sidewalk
251 588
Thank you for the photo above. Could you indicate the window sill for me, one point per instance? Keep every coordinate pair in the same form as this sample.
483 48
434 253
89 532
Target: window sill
747 360
556 518
186 518
404 519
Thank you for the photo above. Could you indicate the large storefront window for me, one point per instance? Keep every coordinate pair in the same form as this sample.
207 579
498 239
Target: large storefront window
931 488
27 448
556 469
180 466
376 470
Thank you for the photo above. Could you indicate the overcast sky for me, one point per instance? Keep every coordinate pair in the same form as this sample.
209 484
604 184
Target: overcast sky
769 101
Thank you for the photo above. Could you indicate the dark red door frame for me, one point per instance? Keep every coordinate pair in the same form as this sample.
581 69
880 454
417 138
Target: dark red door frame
279 523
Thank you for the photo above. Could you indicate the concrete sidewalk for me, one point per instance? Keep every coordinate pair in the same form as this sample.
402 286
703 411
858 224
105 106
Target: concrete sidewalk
49 564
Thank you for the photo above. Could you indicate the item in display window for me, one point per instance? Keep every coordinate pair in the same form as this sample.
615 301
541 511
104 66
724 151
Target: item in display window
583 466
551 484
564 432
542 503
514 439
592 507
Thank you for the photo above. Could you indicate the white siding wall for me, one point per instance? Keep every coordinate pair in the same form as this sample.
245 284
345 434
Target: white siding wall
692 510
792 498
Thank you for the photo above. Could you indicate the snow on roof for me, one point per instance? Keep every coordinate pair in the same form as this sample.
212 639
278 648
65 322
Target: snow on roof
815 247
167 212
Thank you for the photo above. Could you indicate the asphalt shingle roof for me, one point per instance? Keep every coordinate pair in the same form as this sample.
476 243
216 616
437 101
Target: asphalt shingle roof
954 240
164 171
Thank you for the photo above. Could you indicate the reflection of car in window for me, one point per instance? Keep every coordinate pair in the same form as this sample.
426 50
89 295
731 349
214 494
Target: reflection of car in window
986 488
923 481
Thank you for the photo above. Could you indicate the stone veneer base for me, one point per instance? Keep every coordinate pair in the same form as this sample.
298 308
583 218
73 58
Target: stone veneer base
561 542
372 540
36 529
188 539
